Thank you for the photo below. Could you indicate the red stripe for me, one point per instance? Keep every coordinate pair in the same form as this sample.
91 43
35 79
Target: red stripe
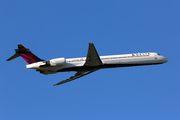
31 56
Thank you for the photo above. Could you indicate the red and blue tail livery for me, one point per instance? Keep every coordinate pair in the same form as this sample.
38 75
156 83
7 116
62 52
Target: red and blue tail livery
26 54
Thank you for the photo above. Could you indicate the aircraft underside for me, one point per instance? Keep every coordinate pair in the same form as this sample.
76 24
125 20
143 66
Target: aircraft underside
82 68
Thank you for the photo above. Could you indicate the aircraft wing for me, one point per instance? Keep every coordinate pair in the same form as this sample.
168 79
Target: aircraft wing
77 75
92 58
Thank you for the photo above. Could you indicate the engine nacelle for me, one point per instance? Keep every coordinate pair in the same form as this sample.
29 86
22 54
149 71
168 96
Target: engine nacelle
56 62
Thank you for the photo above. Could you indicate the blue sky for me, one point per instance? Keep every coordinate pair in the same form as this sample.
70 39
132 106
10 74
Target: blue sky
54 29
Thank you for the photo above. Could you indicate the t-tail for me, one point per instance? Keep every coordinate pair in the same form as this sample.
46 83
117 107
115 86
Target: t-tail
26 54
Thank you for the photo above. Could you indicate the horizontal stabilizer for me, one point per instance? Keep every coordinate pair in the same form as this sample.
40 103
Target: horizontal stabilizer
13 57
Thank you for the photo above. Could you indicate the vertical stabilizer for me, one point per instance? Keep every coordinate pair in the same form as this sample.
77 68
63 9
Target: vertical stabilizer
26 54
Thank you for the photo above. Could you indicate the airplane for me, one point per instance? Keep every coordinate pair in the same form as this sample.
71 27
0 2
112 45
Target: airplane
85 65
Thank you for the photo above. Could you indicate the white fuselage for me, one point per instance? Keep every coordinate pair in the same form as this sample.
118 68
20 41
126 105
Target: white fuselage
125 60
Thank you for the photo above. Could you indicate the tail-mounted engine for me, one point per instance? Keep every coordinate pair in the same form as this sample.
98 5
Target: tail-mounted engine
55 62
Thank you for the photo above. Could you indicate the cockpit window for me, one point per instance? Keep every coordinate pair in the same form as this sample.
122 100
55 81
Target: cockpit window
159 54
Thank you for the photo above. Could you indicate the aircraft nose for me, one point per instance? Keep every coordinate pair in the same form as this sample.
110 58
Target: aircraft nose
165 59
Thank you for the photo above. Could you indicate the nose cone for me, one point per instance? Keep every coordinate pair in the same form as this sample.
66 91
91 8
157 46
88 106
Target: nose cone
165 59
